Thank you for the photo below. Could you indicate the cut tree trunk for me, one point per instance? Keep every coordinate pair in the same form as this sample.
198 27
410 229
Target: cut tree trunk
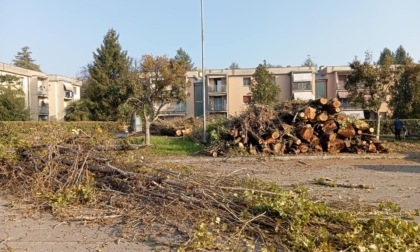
335 146
305 132
329 126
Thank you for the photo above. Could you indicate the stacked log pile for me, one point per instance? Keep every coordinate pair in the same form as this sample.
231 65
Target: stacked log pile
318 126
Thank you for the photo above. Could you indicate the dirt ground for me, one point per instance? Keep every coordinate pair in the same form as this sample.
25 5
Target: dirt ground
371 179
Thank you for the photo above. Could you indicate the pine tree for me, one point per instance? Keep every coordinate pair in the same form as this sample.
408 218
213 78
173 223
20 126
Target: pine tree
12 101
24 60
264 90
401 55
183 57
109 82
385 53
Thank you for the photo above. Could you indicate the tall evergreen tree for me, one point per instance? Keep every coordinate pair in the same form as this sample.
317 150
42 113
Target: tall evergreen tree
109 82
12 101
23 59
384 54
400 55
183 57
264 90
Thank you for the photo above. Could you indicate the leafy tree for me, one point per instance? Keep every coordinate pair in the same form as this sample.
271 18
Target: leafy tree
183 57
384 54
401 55
12 101
369 85
263 89
405 98
162 82
23 59
77 111
234 65
110 82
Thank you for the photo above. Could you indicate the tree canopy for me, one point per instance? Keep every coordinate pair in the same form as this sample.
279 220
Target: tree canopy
399 56
386 53
234 65
405 99
308 62
161 82
12 101
184 58
109 82
369 85
23 59
264 90
77 111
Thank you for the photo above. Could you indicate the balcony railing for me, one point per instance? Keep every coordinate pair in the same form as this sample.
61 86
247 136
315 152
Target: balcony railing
174 109
217 88
44 110
301 86
42 92
217 107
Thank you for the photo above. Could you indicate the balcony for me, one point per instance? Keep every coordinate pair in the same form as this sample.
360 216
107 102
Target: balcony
296 86
174 110
42 92
44 110
217 88
217 107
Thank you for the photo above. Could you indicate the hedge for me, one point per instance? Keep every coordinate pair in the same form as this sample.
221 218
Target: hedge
387 126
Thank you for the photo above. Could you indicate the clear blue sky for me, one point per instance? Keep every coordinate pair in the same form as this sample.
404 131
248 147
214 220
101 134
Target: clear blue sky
62 35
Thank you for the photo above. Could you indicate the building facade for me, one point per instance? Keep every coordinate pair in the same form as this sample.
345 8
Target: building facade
228 90
46 96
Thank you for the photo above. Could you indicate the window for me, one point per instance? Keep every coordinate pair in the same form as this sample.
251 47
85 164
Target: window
341 81
247 99
247 81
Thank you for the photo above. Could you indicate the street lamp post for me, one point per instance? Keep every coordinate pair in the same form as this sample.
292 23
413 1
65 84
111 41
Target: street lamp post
203 76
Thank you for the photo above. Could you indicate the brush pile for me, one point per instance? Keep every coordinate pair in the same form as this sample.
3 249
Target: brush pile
317 126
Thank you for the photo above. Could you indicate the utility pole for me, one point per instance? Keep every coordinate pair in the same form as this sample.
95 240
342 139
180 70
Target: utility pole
203 76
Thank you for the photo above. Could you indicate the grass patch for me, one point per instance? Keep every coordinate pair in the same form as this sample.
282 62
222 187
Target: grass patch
174 146
411 144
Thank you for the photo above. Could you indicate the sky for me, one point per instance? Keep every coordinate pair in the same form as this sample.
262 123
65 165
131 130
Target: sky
63 34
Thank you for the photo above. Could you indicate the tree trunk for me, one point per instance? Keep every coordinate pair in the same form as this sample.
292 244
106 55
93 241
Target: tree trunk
147 123
378 124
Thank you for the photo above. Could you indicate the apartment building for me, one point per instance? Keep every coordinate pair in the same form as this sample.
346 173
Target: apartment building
46 96
228 90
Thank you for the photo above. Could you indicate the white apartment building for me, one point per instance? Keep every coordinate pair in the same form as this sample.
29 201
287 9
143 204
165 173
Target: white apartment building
46 96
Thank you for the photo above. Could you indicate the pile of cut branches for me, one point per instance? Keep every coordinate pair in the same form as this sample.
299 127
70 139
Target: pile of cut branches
317 126
181 208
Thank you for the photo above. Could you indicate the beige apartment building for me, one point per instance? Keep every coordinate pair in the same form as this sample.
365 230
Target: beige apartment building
228 90
46 96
